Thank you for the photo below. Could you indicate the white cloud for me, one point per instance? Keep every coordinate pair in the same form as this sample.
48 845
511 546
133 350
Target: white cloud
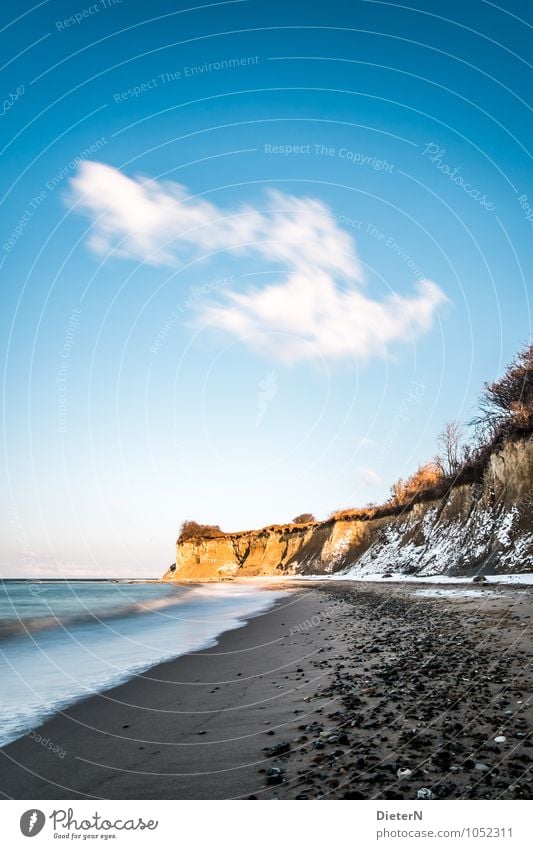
369 476
366 442
317 309
309 315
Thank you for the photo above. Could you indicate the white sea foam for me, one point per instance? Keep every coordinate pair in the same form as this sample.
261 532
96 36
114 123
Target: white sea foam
46 669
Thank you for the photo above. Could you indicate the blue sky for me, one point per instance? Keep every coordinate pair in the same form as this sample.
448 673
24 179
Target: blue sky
253 256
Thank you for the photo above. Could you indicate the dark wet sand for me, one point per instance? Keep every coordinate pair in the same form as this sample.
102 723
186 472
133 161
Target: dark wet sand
352 682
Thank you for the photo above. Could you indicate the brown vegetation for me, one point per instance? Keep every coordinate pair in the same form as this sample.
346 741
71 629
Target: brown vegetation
426 478
508 402
190 530
303 519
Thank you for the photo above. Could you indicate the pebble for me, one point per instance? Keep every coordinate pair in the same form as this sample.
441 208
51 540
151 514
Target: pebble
279 749
424 793
404 773
274 775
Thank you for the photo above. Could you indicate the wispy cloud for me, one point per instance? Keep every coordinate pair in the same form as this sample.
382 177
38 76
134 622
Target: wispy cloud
318 307
366 442
369 476
309 315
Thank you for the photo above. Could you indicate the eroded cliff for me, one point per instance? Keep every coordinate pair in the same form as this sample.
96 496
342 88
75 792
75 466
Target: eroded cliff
476 528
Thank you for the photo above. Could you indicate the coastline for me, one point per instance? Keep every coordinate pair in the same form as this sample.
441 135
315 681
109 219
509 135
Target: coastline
360 681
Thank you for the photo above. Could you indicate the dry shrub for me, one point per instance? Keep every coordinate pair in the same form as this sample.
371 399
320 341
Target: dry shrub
509 400
426 478
192 530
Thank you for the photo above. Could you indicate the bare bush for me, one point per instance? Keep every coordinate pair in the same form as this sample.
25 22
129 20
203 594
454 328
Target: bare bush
191 530
303 519
509 400
450 443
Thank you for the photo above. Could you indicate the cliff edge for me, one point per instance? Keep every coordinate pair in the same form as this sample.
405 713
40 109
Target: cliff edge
484 527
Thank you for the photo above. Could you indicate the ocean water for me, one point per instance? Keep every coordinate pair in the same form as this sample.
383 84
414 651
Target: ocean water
61 641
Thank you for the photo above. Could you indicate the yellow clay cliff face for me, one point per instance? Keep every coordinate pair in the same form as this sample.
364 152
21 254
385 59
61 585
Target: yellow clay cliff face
475 528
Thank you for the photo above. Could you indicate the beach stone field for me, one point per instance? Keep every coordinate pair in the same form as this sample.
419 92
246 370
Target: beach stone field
416 698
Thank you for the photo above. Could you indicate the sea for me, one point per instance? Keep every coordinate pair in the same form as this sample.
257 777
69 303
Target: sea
65 640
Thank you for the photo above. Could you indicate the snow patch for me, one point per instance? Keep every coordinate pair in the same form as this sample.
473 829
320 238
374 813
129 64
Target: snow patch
506 526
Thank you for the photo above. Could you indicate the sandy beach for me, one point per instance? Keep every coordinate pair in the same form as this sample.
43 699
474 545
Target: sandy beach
339 691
